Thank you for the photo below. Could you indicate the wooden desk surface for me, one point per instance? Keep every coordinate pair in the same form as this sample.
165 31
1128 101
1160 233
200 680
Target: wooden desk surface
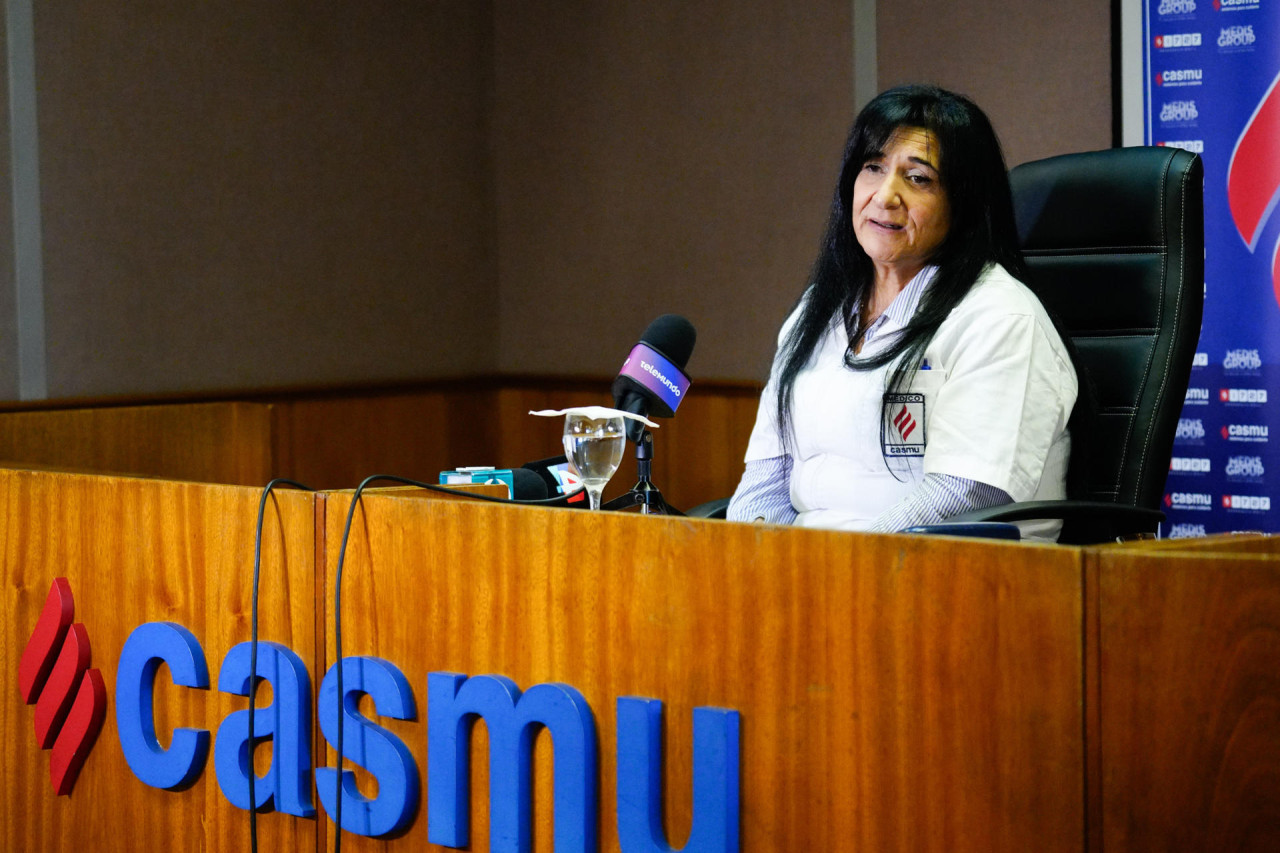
897 693
1186 731
137 551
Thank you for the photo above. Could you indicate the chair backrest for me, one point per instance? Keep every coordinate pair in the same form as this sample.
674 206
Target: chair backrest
1115 244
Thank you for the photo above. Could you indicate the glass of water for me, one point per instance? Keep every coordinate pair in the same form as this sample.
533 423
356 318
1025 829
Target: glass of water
594 448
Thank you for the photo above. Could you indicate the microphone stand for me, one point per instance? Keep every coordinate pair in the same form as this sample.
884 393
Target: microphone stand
644 493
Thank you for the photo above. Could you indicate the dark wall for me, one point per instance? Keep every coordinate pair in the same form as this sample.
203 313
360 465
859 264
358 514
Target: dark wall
662 157
8 308
253 195
243 194
1040 69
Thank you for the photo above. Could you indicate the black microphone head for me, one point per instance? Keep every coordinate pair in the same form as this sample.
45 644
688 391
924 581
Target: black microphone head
527 485
543 467
673 336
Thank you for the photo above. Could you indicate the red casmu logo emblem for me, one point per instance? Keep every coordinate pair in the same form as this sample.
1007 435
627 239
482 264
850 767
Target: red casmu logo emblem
70 698
904 423
1253 176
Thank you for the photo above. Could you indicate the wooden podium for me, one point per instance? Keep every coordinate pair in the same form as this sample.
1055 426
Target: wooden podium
892 692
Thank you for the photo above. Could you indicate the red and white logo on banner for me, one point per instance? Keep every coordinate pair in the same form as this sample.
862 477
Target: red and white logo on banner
1253 177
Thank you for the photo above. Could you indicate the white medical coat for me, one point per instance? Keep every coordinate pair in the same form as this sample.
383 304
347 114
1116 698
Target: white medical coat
991 406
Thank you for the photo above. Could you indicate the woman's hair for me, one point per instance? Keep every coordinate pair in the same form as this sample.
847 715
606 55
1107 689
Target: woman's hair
976 183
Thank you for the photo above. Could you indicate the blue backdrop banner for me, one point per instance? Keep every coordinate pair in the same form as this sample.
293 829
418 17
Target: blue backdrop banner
1211 70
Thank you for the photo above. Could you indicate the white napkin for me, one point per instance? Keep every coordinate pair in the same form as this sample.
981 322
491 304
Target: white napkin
595 413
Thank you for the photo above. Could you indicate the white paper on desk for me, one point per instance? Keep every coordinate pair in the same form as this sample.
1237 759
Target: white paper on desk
595 413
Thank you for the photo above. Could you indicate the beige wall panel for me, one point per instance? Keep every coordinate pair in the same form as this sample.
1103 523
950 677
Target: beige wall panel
254 194
1040 69
247 195
662 157
8 307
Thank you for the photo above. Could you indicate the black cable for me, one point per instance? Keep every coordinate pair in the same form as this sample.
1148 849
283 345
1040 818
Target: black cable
337 644
337 601
253 651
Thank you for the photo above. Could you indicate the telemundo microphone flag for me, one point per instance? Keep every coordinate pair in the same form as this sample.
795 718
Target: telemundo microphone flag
1211 70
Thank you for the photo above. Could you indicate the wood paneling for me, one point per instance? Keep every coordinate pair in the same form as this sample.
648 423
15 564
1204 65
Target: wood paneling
897 693
1223 543
1189 684
139 551
227 442
334 440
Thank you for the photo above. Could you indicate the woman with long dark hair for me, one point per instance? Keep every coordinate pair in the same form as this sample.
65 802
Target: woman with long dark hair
917 377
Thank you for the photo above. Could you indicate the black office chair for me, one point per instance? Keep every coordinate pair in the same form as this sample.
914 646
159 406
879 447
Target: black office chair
1115 244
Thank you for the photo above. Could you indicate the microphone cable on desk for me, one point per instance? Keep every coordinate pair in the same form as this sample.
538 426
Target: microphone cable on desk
558 500
253 651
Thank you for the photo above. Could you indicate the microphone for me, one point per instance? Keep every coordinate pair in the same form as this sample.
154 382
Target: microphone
558 477
652 379
527 485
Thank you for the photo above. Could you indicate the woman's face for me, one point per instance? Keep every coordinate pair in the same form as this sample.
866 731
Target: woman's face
900 210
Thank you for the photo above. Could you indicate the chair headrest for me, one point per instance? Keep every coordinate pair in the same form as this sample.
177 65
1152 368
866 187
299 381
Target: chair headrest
1100 199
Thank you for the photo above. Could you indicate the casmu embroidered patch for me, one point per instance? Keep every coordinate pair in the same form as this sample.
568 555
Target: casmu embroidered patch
902 428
